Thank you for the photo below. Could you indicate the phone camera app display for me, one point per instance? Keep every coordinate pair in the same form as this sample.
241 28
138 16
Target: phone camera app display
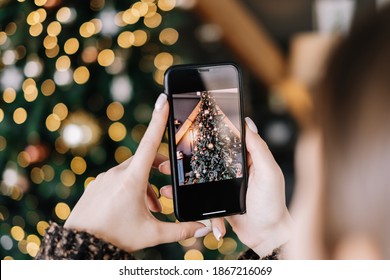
207 135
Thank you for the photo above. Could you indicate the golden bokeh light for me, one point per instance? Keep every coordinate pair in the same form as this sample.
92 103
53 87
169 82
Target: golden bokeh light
30 93
34 239
163 60
40 2
36 29
129 17
9 95
48 173
54 28
20 115
163 149
17 233
138 132
193 254
62 210
32 249
122 153
106 57
140 38
152 9
68 178
89 54
71 46
87 29
24 159
3 141
126 39
50 42
153 21
41 227
64 14
98 25
117 131
42 14
169 36
51 53
81 75
61 111
158 76
28 82
53 122
63 63
11 28
140 9
78 165
88 181
228 246
22 246
115 111
211 243
48 87
37 175
166 205
33 18
3 37
188 242
166 5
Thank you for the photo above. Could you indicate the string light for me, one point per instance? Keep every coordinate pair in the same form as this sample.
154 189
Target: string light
117 131
9 95
153 21
81 75
168 36
115 111
20 115
71 46
48 87
122 153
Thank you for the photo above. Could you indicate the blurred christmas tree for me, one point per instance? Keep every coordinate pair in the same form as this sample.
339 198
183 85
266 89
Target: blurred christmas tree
78 82
211 158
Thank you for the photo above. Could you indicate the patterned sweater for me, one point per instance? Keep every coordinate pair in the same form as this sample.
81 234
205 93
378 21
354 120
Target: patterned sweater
60 243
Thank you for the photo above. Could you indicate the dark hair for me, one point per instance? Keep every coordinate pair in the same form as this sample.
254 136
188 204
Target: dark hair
353 105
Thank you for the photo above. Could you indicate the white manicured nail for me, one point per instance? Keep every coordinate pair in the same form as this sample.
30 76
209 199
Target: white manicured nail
252 126
217 233
202 232
160 102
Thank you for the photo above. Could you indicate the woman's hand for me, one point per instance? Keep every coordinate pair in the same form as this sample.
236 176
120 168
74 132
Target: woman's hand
115 206
267 224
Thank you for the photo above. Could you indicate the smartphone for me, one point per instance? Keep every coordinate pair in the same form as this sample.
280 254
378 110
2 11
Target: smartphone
206 140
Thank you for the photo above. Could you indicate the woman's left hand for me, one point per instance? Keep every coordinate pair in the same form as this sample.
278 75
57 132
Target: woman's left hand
115 206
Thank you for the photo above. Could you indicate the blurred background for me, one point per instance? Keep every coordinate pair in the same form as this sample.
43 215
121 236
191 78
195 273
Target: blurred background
79 80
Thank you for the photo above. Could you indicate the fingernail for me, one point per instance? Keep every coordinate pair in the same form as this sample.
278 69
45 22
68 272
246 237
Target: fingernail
161 166
202 232
252 126
160 102
217 233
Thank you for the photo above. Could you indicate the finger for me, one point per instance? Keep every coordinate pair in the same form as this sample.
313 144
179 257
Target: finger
159 159
259 152
218 226
167 191
172 232
147 149
165 167
152 200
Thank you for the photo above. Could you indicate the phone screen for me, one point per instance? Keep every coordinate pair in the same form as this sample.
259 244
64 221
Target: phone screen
206 138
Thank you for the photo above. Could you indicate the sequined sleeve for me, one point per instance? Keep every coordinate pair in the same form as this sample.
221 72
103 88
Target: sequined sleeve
60 243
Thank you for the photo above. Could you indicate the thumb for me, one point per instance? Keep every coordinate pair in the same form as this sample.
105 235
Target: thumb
173 232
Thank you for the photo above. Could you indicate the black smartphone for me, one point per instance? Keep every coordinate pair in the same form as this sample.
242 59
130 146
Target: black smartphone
206 140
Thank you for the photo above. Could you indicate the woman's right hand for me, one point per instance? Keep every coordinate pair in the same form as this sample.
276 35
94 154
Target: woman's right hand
267 224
